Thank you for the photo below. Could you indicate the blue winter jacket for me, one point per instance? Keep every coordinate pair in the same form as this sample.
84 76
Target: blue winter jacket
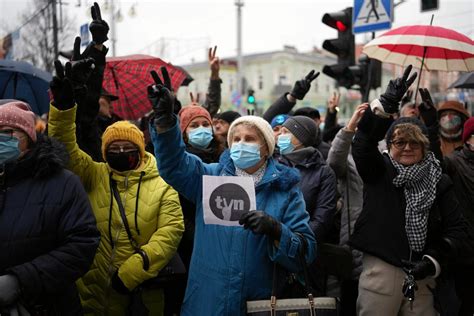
231 265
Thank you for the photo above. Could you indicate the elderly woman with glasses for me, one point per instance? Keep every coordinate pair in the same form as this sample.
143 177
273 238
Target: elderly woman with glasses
411 224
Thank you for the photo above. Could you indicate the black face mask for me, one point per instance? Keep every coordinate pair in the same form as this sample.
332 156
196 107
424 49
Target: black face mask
123 161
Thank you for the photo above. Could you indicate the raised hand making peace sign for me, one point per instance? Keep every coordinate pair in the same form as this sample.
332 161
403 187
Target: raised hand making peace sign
61 86
98 27
302 86
396 89
214 63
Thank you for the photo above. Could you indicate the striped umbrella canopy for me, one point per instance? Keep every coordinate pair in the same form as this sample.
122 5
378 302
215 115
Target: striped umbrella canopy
444 49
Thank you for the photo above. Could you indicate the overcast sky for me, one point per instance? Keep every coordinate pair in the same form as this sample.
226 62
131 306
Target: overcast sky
191 25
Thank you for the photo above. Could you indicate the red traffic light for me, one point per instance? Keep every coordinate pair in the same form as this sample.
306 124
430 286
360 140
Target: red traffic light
341 26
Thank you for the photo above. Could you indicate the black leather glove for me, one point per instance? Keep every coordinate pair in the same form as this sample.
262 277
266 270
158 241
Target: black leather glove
98 27
419 269
61 87
427 109
162 101
9 289
117 285
260 223
81 70
396 89
302 86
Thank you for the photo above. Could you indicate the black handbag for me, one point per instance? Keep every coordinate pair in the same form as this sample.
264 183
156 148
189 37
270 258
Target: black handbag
173 271
305 306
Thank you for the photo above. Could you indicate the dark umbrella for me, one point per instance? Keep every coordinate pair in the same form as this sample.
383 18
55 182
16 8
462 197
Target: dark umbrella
22 81
466 81
127 78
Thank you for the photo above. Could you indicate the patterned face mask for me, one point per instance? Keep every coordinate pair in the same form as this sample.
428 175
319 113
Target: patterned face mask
123 161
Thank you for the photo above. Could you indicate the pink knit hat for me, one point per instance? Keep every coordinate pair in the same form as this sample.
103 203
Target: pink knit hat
189 113
18 114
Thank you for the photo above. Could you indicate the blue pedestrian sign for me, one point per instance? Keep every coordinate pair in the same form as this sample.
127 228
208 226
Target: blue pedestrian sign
372 15
85 35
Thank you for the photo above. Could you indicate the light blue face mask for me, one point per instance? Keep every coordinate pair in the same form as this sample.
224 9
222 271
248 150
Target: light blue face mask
200 137
245 155
284 143
9 150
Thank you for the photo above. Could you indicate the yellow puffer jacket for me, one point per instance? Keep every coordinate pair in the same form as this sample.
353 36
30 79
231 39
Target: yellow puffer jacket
156 223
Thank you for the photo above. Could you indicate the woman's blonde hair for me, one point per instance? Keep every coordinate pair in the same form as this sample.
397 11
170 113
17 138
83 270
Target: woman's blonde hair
411 132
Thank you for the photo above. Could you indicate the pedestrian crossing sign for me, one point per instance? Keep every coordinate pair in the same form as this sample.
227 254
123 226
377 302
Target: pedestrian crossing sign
372 15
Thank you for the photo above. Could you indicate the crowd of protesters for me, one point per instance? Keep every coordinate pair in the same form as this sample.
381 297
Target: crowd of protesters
95 211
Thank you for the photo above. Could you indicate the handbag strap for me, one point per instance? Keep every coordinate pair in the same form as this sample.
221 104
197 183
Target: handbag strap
301 255
136 247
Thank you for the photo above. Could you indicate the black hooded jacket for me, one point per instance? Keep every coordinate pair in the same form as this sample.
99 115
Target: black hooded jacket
48 234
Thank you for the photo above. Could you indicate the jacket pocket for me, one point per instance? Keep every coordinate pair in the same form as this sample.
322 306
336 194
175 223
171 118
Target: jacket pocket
377 275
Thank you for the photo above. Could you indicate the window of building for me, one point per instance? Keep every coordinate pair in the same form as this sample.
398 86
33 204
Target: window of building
260 82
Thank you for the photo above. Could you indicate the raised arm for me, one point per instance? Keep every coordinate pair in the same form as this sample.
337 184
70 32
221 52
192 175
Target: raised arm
213 96
286 102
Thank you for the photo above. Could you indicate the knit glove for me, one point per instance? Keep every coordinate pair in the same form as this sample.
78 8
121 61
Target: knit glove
261 223
396 89
9 289
302 86
419 269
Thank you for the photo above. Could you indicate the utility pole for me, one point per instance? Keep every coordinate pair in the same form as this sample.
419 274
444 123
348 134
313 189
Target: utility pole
113 27
55 28
240 62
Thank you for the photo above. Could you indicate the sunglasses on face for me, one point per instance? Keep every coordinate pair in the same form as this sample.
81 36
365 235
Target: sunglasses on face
401 144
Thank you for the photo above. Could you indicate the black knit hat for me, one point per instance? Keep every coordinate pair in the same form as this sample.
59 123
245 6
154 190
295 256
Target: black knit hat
405 120
228 116
307 111
303 128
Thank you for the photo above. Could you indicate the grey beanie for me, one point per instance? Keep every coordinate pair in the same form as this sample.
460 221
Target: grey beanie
303 128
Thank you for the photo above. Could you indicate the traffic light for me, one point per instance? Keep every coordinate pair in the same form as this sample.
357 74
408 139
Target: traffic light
250 96
343 46
428 5
360 74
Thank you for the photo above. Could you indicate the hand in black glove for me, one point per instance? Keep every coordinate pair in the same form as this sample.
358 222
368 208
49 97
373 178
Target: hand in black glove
117 284
90 52
61 86
98 27
302 86
9 289
419 269
162 100
260 223
396 89
427 109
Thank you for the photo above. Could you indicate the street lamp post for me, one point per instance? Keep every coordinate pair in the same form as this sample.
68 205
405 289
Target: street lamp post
240 62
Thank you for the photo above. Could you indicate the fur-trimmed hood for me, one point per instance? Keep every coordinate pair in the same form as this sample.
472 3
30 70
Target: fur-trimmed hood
46 158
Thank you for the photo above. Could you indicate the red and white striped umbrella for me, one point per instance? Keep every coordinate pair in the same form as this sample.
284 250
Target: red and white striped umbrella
446 50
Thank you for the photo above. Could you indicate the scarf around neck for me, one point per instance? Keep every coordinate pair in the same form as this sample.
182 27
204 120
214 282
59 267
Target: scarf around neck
419 185
257 176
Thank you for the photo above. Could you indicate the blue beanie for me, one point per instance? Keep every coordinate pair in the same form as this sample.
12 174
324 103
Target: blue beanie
279 120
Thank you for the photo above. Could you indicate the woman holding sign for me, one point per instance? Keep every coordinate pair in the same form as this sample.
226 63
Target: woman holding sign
232 264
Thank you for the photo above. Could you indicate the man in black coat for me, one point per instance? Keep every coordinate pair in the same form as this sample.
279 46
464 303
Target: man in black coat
48 234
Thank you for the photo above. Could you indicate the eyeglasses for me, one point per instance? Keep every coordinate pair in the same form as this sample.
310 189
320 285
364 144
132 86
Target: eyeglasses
401 144
8 134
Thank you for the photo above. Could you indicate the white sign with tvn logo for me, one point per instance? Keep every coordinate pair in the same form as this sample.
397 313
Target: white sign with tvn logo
225 199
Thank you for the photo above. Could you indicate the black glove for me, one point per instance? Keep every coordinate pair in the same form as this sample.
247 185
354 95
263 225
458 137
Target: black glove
61 87
419 269
9 289
81 70
162 100
260 223
396 89
118 285
90 52
427 109
98 27
302 86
